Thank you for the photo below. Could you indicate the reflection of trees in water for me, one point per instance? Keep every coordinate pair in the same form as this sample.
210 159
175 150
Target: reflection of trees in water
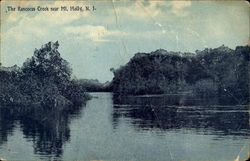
48 129
176 112
6 124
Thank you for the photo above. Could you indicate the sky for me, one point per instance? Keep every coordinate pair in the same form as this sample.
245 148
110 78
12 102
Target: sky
95 41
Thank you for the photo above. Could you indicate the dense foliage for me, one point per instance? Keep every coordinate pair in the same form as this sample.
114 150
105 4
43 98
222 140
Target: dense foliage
43 80
220 71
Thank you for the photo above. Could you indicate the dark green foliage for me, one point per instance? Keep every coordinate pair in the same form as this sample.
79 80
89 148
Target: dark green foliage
8 86
153 73
220 71
43 80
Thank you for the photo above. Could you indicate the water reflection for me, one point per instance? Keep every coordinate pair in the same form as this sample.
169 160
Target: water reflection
146 126
175 112
47 129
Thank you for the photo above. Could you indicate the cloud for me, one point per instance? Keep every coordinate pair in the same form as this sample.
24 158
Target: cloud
38 23
23 32
25 26
94 33
179 6
142 9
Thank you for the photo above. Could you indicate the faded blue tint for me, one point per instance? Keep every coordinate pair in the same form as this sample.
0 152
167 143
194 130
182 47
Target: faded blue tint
159 128
126 28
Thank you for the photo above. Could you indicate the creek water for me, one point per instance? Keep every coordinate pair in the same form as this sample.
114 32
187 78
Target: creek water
148 128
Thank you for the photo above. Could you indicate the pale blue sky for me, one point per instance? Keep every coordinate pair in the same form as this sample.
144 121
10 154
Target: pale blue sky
94 42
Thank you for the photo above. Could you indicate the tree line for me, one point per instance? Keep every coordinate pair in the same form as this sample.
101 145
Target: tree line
221 72
45 79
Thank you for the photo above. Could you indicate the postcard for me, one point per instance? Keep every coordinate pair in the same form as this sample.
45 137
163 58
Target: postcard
121 80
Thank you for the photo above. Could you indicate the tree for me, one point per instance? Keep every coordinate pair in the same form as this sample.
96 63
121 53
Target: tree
46 63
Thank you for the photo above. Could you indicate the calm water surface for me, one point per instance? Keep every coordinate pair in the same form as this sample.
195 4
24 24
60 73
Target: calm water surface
163 128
